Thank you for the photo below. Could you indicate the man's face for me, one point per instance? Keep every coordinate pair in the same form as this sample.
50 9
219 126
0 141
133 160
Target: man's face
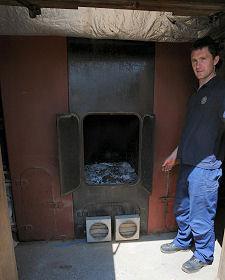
203 64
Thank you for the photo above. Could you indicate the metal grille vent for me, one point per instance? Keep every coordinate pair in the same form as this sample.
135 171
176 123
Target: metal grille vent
98 229
128 229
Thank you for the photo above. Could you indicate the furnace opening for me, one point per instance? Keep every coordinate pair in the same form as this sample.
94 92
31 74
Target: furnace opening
111 149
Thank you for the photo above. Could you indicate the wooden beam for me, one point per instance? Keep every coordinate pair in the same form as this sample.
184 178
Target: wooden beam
8 269
59 4
221 271
178 7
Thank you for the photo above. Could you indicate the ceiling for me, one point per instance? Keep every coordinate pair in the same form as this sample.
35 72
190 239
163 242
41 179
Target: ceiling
147 20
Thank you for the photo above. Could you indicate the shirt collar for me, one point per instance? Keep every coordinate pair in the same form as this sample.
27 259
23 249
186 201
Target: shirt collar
210 83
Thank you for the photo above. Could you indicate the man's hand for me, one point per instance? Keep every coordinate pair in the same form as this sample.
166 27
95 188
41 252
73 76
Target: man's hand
170 161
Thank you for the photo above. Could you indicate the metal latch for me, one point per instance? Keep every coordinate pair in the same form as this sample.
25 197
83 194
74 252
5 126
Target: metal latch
55 204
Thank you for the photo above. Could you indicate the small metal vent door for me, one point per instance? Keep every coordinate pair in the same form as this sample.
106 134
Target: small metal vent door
68 152
147 153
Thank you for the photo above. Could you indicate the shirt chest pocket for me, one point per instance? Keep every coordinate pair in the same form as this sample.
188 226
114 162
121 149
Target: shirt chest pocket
208 107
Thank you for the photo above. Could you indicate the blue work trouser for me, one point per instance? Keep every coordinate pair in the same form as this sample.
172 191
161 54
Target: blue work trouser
195 210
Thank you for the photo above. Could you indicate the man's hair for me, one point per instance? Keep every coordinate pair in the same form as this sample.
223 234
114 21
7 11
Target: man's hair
206 42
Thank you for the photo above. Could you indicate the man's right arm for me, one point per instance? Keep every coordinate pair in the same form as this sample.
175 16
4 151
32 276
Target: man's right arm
170 161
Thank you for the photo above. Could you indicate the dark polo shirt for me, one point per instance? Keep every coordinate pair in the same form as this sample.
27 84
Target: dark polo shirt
202 142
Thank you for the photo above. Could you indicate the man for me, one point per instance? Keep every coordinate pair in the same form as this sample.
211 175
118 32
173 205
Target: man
201 152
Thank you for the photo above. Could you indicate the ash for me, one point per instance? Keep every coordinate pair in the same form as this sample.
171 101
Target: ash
110 173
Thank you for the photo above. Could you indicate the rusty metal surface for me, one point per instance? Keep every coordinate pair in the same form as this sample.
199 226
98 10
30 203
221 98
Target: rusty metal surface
37 198
34 90
174 82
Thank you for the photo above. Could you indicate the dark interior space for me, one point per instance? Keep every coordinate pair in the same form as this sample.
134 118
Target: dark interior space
112 139
7 177
3 138
220 220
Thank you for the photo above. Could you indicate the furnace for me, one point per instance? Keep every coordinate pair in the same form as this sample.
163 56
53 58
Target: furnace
106 141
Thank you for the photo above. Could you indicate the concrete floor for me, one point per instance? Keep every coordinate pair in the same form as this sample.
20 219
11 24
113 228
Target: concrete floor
129 260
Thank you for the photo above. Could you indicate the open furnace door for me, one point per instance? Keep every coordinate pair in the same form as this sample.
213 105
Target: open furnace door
147 153
68 152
